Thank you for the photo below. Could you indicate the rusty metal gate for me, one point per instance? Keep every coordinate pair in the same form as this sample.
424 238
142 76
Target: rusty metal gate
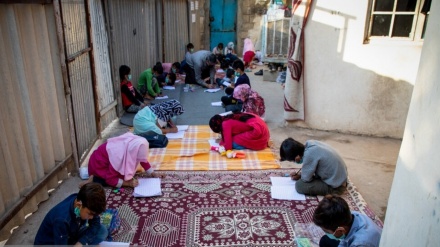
79 58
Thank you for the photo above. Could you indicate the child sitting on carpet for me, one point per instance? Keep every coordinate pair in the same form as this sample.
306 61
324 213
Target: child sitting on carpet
241 131
342 227
116 161
323 170
75 220
157 117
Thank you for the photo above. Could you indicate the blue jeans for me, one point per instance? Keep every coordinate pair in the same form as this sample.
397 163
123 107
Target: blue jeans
237 147
100 236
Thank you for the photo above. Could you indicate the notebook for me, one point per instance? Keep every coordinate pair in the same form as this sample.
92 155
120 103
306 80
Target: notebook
148 187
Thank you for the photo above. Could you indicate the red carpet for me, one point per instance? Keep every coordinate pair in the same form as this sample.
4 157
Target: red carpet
217 208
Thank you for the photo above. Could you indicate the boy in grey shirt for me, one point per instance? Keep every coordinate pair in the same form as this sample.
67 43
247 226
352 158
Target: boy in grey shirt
323 170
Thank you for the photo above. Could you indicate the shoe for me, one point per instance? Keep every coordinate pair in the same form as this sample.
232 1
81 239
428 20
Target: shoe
260 72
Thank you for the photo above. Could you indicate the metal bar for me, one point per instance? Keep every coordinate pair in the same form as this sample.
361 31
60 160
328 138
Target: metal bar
27 1
108 108
16 207
62 50
77 54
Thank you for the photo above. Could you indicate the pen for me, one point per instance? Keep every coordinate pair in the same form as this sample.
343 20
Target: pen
298 171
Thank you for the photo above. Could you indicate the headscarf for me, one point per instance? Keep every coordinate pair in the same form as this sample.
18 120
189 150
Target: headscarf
252 101
125 152
168 109
248 46
215 123
230 45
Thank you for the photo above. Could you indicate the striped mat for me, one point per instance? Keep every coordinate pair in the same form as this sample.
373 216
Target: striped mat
193 153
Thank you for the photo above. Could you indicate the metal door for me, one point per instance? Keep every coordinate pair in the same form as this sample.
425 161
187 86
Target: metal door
223 22
81 80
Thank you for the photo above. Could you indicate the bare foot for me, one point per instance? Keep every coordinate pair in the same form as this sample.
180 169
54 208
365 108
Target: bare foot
139 169
89 180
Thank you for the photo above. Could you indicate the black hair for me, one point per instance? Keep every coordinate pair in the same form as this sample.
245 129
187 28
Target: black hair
189 46
238 64
215 123
158 68
220 45
177 65
212 58
123 71
229 73
291 148
172 77
332 212
224 64
92 196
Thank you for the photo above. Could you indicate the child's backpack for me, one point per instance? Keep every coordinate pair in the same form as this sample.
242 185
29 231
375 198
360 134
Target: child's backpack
110 219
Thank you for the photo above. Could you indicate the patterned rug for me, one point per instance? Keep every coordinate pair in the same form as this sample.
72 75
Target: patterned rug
219 208
193 153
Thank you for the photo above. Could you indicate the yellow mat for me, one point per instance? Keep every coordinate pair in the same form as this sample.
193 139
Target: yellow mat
193 153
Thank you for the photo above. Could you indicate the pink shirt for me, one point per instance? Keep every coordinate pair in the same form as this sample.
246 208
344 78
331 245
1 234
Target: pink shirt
99 165
253 134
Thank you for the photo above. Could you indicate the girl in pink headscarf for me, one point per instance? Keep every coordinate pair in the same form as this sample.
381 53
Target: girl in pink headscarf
116 161
252 101
248 54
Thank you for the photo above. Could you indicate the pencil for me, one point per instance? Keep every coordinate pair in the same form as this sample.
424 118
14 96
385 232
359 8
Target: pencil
298 171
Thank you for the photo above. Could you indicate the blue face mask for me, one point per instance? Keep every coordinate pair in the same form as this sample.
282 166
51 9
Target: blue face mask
331 236
300 161
129 77
174 70
237 74
167 80
77 212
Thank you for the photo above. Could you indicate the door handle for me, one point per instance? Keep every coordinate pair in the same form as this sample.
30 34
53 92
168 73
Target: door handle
211 19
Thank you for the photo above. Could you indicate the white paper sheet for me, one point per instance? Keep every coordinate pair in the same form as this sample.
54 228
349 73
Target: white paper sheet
182 127
169 88
178 135
162 97
107 243
218 103
283 188
148 187
226 83
212 90
213 143
225 113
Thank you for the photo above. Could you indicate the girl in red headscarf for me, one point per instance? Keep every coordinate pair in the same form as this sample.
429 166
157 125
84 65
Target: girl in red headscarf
241 131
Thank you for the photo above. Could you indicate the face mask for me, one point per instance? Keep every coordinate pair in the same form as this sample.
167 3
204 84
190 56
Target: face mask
174 70
300 162
237 74
167 80
331 236
77 212
191 50
129 77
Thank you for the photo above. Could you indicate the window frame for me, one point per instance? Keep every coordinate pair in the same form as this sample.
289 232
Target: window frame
416 29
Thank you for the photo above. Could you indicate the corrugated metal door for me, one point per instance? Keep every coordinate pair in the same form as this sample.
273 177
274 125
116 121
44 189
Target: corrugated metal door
175 30
133 31
78 54
223 20
106 96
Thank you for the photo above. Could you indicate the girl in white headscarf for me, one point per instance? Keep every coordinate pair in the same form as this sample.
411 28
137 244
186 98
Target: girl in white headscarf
248 54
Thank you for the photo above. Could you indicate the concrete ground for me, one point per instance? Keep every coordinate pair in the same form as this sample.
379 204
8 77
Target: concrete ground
371 161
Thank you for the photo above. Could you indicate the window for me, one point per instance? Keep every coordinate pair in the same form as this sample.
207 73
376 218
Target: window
398 19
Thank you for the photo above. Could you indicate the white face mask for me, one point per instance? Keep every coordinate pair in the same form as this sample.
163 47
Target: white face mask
129 77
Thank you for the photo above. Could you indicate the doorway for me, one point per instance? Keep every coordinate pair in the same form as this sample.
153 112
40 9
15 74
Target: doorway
223 22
